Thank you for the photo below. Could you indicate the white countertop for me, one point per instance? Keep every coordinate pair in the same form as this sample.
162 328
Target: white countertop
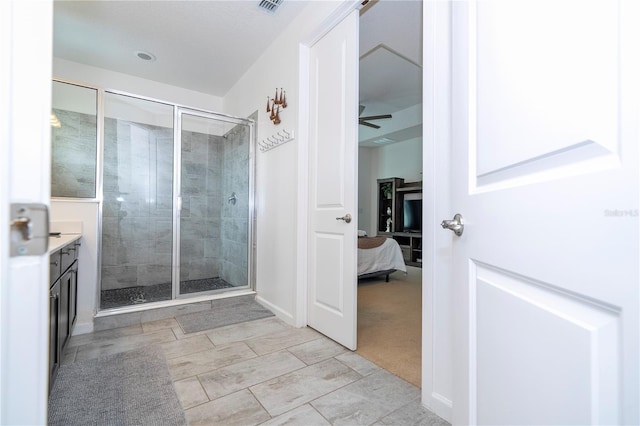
56 243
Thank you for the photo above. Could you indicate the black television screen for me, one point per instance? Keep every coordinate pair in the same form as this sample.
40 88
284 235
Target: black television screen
412 216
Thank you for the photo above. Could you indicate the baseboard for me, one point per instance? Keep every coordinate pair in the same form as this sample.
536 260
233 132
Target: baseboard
82 328
283 315
438 404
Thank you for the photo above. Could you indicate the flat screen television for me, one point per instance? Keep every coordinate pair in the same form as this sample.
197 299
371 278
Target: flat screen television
412 215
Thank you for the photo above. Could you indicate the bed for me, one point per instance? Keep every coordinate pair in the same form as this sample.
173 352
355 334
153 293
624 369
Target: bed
379 256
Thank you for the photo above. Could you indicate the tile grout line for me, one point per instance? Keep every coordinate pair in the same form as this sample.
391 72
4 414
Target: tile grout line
260 402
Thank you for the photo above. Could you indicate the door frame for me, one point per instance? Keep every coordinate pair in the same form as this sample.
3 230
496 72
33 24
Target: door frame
436 85
436 161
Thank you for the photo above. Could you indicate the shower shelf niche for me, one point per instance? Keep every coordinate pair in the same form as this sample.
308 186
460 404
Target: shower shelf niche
283 136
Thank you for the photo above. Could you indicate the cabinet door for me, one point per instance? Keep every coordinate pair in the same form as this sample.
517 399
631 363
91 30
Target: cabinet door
66 283
54 352
73 297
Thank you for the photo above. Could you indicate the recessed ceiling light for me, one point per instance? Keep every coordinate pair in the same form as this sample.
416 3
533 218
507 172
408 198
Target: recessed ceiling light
383 141
145 56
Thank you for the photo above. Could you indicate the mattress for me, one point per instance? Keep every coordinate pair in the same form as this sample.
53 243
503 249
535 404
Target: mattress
385 257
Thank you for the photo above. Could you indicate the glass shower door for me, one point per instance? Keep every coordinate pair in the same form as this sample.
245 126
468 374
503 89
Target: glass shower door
176 202
214 189
137 208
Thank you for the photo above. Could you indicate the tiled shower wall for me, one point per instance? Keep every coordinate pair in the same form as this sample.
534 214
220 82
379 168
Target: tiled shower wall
201 205
73 155
137 214
235 218
214 231
137 211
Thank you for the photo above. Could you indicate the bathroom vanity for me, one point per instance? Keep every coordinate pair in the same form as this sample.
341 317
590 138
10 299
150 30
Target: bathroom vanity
63 290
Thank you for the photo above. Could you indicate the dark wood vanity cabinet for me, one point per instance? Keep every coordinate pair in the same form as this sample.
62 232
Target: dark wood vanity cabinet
54 351
63 292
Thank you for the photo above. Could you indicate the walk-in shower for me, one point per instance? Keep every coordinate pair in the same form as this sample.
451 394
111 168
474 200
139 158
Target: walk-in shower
177 197
173 190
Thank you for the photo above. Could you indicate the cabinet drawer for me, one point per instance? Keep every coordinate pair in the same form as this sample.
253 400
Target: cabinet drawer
54 267
67 256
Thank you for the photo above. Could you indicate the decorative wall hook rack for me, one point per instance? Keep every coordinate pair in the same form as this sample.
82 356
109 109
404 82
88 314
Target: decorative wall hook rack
276 104
283 136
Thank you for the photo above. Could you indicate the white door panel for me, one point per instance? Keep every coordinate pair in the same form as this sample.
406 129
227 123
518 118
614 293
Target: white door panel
566 366
562 102
25 108
544 172
333 93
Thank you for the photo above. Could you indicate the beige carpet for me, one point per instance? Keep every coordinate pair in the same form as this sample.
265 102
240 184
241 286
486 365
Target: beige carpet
389 323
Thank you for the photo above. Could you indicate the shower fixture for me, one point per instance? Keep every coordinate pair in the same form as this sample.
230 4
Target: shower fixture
232 200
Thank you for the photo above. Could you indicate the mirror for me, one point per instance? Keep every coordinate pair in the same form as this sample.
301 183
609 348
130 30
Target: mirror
74 138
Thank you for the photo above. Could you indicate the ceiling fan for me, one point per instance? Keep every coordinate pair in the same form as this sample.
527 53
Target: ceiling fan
364 120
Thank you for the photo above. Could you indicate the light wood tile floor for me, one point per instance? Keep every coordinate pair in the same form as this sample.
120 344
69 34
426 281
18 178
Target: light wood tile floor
266 372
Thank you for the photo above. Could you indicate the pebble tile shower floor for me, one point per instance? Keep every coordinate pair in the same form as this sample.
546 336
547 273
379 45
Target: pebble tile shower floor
154 293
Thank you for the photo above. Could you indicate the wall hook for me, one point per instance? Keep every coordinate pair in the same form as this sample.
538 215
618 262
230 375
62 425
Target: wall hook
275 140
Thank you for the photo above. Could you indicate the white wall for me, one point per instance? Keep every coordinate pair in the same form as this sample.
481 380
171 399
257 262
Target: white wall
401 159
276 170
106 79
366 197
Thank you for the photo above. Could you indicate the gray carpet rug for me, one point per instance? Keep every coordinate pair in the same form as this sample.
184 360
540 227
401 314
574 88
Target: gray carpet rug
130 388
232 310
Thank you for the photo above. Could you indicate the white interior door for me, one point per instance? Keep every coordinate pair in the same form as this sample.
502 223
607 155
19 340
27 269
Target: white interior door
545 173
331 303
25 108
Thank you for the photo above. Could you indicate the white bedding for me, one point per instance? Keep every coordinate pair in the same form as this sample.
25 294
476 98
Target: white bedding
387 256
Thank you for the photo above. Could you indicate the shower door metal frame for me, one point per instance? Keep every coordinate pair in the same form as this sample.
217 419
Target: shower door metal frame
179 111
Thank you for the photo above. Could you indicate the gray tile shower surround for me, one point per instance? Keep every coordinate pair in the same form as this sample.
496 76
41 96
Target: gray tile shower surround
261 372
137 213
73 155
137 209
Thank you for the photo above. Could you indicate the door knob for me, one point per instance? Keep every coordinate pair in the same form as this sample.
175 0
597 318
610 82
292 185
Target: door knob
455 225
346 218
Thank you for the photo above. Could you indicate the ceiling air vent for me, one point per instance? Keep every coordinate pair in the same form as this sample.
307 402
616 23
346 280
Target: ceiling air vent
269 5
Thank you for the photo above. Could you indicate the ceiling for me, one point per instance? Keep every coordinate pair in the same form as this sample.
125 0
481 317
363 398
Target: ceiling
191 43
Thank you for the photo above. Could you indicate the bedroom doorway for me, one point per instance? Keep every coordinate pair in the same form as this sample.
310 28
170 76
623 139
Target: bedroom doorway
390 151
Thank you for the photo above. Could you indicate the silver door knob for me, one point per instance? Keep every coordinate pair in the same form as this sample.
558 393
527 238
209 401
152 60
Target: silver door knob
455 225
346 218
